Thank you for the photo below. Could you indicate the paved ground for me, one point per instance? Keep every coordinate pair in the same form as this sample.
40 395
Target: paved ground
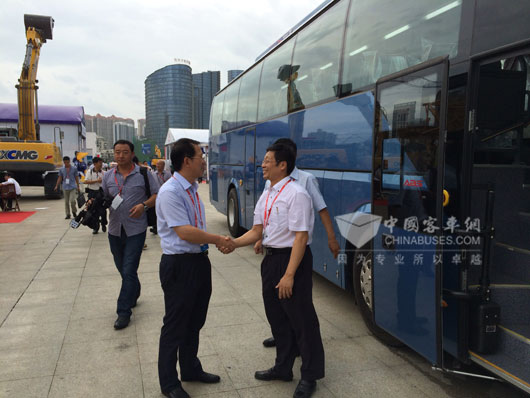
58 289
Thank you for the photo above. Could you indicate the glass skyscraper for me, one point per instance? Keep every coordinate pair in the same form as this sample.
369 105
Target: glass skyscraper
205 86
168 101
233 73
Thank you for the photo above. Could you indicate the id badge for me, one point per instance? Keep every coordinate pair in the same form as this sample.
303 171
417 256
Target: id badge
204 248
67 181
116 202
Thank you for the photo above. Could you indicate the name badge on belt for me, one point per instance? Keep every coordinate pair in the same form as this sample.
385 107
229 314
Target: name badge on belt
116 202
204 248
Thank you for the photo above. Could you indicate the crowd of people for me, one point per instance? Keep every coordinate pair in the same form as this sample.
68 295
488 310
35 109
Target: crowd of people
283 226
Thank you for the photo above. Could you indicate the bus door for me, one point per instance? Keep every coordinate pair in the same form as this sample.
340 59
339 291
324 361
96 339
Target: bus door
408 198
250 176
499 126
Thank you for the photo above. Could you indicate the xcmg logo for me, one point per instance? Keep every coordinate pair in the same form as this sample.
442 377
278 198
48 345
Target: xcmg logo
19 155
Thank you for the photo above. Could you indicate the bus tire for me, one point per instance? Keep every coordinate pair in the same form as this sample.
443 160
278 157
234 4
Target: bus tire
232 214
363 290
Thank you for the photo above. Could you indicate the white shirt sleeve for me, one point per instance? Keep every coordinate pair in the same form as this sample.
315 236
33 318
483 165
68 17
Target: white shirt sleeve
259 209
300 213
313 191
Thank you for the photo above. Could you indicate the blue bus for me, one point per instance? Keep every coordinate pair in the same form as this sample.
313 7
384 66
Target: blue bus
414 117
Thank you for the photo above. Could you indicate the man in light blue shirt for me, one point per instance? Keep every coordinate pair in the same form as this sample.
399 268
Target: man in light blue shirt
69 179
185 270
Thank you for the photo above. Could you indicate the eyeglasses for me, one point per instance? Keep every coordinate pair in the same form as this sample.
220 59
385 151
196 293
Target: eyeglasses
203 157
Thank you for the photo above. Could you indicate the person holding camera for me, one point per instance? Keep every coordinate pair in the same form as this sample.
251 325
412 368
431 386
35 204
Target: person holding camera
94 178
127 223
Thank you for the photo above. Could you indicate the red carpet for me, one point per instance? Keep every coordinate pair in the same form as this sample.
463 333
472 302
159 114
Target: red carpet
14 216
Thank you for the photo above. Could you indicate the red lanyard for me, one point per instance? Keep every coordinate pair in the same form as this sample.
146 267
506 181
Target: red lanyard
266 216
115 179
194 207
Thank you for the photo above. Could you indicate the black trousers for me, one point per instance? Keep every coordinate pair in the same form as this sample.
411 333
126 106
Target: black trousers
187 283
294 322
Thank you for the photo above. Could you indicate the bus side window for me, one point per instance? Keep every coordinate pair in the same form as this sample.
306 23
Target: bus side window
217 114
317 52
273 90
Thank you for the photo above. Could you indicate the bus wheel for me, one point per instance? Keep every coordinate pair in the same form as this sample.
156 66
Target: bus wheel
363 289
232 214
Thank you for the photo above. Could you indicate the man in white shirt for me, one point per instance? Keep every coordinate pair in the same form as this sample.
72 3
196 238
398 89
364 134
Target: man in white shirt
8 179
284 220
94 177
310 183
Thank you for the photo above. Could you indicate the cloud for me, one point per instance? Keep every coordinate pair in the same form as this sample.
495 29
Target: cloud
102 51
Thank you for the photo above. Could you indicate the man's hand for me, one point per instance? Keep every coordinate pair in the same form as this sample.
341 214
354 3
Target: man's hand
137 211
100 179
334 247
56 188
258 247
285 287
225 245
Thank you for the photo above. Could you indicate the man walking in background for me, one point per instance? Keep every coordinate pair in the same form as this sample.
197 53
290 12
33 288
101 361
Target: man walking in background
69 179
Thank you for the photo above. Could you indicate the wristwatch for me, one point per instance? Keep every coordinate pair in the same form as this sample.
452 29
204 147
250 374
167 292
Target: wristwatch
145 207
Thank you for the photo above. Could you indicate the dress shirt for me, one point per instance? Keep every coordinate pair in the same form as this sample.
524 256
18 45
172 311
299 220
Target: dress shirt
92 175
161 178
175 208
291 212
133 193
10 180
70 176
310 183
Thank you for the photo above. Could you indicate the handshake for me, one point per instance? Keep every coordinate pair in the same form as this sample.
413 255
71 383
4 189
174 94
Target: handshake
225 244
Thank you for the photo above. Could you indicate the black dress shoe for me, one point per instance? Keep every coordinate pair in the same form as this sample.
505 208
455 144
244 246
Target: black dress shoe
122 322
104 228
177 393
270 342
272 374
94 232
204 377
305 389
67 217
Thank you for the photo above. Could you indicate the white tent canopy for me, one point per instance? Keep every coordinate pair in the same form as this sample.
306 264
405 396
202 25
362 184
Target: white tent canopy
174 135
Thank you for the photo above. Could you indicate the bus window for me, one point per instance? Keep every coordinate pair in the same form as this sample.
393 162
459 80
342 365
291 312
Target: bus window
273 90
217 114
412 32
317 51
230 106
247 107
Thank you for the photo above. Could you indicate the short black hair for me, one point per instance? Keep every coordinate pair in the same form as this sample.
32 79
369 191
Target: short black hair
66 158
283 152
124 142
183 148
290 143
97 160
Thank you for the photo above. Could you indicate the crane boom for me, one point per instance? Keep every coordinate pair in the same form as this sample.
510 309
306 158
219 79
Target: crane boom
39 28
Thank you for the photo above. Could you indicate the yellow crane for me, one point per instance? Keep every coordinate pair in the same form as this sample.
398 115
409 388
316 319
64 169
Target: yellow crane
25 155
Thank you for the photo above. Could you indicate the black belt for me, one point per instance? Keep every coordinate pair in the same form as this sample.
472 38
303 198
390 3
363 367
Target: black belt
271 251
204 253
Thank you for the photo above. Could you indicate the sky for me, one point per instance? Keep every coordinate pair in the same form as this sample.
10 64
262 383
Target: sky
103 50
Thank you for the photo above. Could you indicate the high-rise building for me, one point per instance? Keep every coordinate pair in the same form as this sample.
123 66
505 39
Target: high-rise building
103 126
123 131
232 74
141 128
205 86
168 101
